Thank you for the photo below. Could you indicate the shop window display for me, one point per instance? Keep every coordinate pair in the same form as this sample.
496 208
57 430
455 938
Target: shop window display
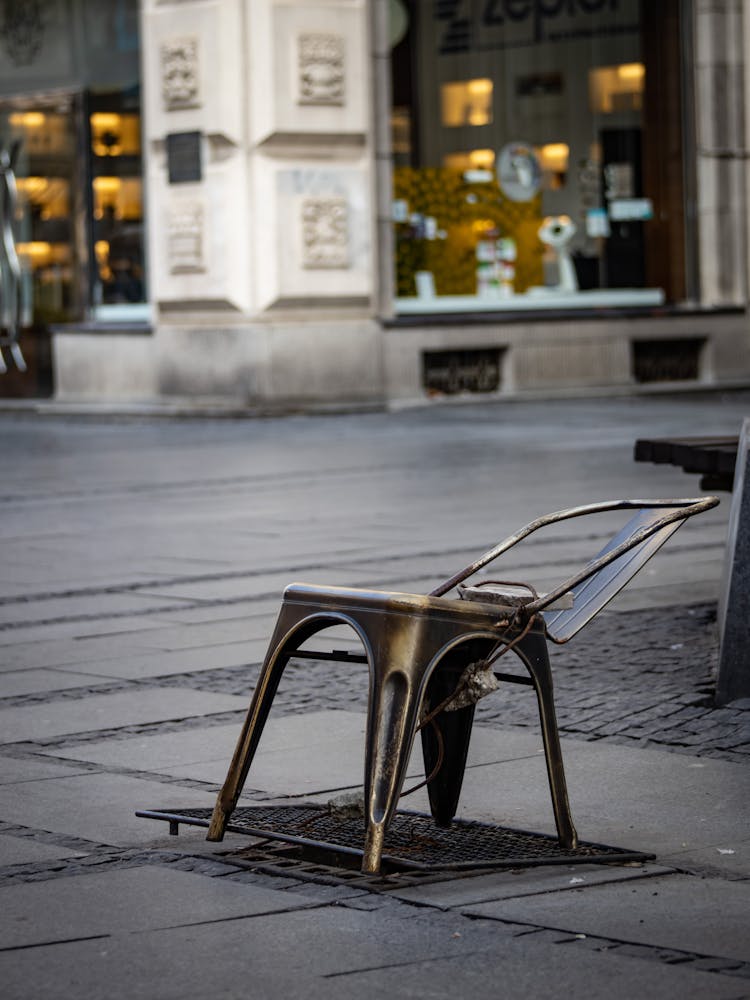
70 111
117 203
523 156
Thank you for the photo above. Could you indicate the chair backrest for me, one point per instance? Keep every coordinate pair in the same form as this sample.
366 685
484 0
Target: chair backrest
591 595
608 572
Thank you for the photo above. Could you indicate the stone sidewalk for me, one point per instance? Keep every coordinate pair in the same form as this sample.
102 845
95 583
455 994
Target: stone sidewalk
142 564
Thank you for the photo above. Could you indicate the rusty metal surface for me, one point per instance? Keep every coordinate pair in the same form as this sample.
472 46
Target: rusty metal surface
604 576
418 648
412 643
678 510
412 841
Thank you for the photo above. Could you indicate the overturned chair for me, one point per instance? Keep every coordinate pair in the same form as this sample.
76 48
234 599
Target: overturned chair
430 658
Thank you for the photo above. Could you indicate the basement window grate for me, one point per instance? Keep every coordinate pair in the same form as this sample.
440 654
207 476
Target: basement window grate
475 370
676 360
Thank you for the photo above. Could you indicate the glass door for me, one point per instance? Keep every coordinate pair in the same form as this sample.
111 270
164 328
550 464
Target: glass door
42 135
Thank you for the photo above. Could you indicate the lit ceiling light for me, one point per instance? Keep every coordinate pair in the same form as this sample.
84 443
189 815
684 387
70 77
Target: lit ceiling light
481 87
554 157
483 159
631 71
27 119
107 185
478 117
32 187
105 120
38 252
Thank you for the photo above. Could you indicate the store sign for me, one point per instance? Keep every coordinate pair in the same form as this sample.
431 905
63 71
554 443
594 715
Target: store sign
540 15
501 24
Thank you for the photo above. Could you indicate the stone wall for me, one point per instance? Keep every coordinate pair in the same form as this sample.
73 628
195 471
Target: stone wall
721 150
273 234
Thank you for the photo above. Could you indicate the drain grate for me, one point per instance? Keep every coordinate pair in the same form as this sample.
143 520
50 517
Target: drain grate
413 841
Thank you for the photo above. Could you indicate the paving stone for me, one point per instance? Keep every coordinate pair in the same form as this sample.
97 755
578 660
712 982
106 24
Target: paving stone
173 752
88 606
134 900
26 850
173 638
17 682
336 953
511 884
157 752
73 653
82 628
296 755
109 711
708 723
95 806
717 735
657 912
14 770
577 975
158 663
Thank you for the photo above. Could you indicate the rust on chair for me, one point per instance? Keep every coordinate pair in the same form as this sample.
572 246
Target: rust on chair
418 647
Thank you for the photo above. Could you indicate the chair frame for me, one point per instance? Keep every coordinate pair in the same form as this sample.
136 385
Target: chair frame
417 648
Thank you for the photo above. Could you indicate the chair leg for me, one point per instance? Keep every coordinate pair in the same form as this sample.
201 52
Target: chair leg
392 717
257 714
455 734
533 651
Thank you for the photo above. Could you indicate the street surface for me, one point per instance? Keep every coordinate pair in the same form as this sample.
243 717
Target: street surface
142 565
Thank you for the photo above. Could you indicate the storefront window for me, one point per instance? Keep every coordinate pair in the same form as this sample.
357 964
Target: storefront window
40 134
526 156
70 121
117 202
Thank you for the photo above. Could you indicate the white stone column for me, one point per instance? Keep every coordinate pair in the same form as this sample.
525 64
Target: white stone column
194 82
263 269
310 153
721 155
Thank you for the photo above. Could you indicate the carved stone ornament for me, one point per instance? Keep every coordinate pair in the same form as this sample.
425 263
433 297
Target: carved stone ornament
186 238
321 69
180 74
22 30
325 233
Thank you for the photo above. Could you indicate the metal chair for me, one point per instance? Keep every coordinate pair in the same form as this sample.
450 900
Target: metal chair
418 649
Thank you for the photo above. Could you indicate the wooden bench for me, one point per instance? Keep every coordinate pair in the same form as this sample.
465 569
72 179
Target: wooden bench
713 458
722 463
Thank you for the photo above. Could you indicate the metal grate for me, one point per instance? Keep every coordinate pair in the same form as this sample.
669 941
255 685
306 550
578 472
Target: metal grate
464 370
413 841
667 360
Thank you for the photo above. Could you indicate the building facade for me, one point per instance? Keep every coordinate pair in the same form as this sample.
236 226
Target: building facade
282 203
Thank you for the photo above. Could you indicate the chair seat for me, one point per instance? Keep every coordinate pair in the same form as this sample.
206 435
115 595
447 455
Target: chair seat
511 595
483 613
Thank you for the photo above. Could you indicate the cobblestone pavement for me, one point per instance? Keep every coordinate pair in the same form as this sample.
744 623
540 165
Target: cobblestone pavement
641 678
